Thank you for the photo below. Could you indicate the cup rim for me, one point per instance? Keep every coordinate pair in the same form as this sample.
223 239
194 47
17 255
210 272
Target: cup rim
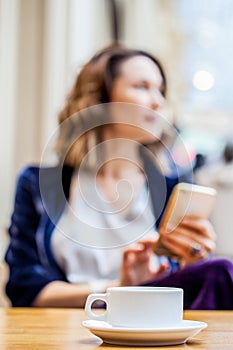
149 289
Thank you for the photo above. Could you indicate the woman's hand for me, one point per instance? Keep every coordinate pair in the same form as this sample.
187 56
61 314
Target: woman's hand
192 240
137 267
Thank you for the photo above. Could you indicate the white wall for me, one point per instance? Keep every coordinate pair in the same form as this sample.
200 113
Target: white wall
9 13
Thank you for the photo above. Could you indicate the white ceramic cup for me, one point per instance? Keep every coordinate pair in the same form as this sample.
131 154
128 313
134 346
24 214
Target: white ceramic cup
139 307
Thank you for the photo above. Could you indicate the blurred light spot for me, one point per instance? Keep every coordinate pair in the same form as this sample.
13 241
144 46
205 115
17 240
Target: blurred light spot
203 80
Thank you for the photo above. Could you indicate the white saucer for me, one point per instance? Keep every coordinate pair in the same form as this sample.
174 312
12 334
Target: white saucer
145 337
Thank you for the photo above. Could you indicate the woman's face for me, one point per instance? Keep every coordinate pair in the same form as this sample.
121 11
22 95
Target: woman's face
138 87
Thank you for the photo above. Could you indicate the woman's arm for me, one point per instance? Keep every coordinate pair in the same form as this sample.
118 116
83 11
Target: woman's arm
64 294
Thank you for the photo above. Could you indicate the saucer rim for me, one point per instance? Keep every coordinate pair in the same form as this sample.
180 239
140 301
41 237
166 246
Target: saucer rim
183 326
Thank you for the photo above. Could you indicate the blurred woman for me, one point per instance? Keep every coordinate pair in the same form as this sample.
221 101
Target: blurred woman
91 221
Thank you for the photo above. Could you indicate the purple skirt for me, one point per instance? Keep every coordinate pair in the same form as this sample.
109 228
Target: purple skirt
207 285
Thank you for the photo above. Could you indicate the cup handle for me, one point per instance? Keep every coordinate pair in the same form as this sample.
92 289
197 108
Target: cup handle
90 300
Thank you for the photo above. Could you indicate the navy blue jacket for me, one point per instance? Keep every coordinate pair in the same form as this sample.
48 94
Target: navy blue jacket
29 255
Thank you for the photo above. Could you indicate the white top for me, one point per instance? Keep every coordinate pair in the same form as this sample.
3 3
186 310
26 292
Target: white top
90 235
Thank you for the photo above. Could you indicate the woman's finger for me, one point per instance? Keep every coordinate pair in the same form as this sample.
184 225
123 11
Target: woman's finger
201 226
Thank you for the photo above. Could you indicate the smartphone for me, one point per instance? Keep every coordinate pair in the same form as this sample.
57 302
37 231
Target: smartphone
185 199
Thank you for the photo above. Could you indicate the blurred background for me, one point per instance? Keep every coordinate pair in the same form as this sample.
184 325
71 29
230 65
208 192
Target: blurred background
44 43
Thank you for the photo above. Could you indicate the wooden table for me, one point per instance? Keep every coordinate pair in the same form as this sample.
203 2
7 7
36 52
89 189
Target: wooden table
33 328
